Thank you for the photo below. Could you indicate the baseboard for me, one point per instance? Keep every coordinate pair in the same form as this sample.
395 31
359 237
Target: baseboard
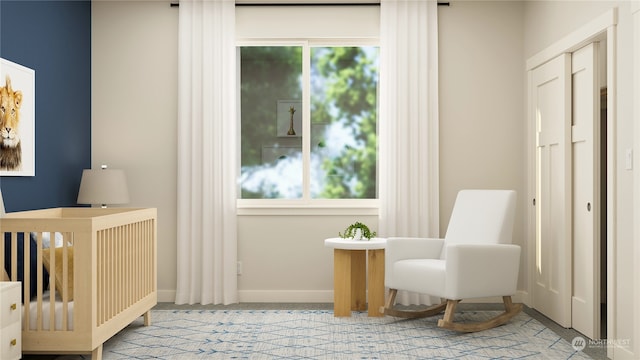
286 296
267 296
167 296
520 296
314 296
622 353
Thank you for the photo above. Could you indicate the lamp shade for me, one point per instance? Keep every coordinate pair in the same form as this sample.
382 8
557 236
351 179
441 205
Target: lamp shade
103 186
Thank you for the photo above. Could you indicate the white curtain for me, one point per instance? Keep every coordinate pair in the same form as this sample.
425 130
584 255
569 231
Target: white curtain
409 204
207 234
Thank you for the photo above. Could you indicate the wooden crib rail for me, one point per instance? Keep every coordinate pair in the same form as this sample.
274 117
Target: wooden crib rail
108 255
126 255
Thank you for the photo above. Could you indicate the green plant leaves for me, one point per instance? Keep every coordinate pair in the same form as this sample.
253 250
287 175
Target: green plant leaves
350 231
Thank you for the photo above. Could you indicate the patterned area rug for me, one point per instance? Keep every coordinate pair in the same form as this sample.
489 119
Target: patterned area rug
317 334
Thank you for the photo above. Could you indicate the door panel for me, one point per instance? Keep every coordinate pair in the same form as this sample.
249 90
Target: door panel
585 299
551 97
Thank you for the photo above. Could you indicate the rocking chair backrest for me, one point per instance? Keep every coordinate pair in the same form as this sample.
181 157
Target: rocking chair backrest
481 217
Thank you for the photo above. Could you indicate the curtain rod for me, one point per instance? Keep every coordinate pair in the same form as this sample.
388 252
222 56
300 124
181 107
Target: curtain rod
176 4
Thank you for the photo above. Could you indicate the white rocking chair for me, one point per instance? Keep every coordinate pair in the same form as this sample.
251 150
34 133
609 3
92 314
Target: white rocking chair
475 259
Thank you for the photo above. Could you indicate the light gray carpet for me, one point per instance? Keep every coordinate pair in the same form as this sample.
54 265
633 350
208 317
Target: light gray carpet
317 334
299 331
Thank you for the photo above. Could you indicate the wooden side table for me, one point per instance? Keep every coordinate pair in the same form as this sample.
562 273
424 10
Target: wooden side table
350 275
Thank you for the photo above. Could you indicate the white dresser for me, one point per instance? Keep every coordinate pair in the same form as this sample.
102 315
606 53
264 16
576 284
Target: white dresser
10 321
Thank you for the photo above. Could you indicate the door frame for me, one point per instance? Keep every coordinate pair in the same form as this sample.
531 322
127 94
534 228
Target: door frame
602 27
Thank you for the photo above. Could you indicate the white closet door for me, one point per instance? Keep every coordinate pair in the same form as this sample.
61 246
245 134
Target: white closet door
585 299
551 102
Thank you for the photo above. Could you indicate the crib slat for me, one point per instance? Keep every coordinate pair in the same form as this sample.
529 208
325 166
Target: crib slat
27 279
145 255
107 274
100 277
140 252
121 267
122 234
14 257
2 256
133 268
112 274
148 245
14 273
133 276
65 283
52 277
118 268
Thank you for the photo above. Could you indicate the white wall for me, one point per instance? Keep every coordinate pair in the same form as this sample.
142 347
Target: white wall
482 84
284 259
134 109
635 9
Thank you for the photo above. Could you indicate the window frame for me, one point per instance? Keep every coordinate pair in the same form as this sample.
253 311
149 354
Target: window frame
305 205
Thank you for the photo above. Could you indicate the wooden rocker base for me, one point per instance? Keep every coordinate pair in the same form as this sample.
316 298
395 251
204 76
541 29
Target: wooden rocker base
449 307
510 310
409 314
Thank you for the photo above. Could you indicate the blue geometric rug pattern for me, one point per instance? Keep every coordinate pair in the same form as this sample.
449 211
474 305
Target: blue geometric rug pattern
317 334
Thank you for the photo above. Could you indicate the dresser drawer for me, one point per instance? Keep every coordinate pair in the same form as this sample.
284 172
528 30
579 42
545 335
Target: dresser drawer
11 347
10 321
10 306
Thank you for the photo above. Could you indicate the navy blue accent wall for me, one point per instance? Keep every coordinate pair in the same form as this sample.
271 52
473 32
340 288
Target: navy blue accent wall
54 39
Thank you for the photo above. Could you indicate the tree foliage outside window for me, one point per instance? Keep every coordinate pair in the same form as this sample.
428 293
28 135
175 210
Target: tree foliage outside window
343 121
268 74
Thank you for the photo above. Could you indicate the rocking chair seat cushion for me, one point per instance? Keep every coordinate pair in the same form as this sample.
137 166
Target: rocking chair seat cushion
481 270
470 271
430 272
398 248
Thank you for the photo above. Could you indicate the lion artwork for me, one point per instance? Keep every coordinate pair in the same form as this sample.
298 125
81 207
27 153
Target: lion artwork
10 148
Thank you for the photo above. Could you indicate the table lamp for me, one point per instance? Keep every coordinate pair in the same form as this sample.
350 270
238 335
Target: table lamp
103 186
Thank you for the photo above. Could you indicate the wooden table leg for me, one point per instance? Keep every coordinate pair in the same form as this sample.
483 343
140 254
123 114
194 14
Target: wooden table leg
358 280
376 282
341 282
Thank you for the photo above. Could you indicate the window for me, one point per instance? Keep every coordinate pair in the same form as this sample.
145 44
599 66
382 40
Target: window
308 115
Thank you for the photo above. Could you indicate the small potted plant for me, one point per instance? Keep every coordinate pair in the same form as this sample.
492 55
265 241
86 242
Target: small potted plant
357 231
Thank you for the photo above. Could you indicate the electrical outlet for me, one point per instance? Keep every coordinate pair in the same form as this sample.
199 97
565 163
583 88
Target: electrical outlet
239 268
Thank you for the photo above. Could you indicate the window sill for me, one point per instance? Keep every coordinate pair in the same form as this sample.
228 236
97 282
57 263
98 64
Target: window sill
246 207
